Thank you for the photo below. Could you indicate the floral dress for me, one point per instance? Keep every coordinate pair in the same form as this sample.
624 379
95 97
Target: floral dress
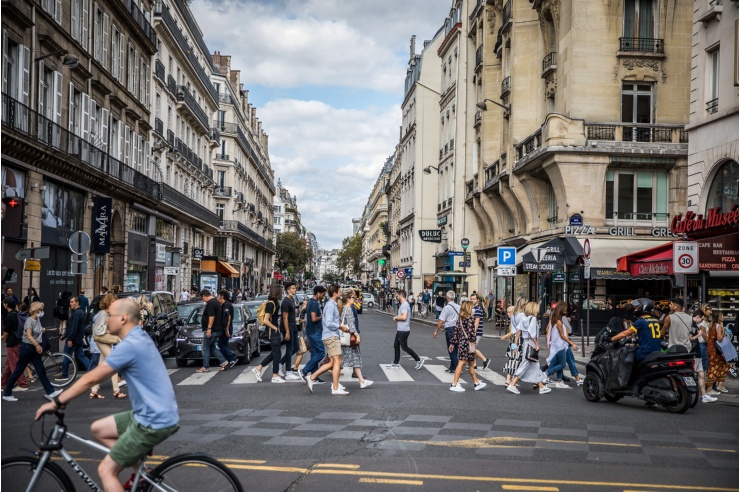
718 366
350 355
464 334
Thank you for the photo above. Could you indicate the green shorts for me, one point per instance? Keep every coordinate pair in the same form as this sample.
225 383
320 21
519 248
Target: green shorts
135 440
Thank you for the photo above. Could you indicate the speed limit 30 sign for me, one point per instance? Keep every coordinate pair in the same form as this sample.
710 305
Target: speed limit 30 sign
685 257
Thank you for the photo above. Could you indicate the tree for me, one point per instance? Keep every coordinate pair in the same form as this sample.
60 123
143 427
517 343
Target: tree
351 254
331 278
293 251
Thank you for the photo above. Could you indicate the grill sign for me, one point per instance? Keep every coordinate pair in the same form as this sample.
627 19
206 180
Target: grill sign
431 235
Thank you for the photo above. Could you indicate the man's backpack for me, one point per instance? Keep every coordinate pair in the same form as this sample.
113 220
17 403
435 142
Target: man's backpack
262 310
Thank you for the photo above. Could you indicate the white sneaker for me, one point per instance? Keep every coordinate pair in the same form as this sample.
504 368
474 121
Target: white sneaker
291 376
281 371
339 392
457 388
309 383
121 383
55 393
419 364
708 399
545 390
366 384
277 380
479 386
579 382
713 392
20 388
257 374
512 389
10 398
561 385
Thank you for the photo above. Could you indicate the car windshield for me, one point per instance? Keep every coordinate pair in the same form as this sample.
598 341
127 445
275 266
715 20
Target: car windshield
238 318
184 310
195 316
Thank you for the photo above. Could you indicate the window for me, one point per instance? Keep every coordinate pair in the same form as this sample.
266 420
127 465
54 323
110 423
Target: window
636 196
640 21
552 207
100 43
165 230
143 93
117 54
132 81
277 209
219 246
724 193
53 8
277 220
221 118
115 139
637 107
138 222
713 81
221 178
79 21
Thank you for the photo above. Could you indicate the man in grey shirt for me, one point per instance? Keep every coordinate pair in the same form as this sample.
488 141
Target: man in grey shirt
448 318
678 325
403 330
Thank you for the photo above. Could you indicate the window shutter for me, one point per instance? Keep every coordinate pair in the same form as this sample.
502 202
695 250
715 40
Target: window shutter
75 19
58 12
94 130
114 54
104 128
41 109
148 78
85 21
105 41
136 80
85 120
147 157
6 57
70 109
121 56
97 34
141 151
134 150
25 82
126 144
58 98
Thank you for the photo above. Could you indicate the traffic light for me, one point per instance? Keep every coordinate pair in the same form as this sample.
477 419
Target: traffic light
12 217
383 272
381 261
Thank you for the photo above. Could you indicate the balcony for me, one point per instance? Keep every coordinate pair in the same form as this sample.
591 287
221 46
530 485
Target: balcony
163 12
222 157
171 138
642 45
215 136
233 128
222 191
159 71
235 225
503 162
549 64
158 127
713 106
505 86
143 25
452 144
225 98
184 96
636 132
171 85
185 205
530 144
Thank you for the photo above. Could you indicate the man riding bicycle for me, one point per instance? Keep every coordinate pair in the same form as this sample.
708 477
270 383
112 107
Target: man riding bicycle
132 434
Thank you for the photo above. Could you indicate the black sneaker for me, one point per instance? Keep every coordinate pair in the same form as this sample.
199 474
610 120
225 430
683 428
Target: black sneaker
318 381
486 364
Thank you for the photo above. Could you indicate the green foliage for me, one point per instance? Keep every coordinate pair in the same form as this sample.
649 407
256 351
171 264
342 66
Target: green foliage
293 251
351 254
332 278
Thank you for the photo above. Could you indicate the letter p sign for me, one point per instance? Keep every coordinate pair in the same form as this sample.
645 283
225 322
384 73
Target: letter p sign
507 256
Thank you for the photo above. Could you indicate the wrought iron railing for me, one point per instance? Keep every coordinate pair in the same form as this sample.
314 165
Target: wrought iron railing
636 132
549 61
171 137
479 56
171 85
159 70
159 126
224 191
215 135
184 95
505 85
249 150
222 157
647 45
141 21
235 225
173 197
713 105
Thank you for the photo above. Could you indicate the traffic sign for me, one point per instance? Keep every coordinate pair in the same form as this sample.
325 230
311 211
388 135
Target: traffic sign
507 256
23 254
465 242
586 268
587 248
79 242
539 253
32 265
171 271
388 277
36 253
401 274
685 257
506 271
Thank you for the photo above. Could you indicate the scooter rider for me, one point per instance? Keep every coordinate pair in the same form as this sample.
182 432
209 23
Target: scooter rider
646 327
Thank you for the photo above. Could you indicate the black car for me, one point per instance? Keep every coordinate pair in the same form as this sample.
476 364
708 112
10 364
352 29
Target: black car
165 322
244 340
185 309
263 338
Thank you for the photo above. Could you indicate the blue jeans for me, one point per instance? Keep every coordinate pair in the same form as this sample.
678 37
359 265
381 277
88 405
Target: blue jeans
570 359
76 351
274 355
318 352
453 354
557 364
210 345
223 346
26 355
436 312
291 347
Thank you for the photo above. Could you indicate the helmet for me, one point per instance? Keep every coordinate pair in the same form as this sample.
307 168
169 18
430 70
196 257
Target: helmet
642 306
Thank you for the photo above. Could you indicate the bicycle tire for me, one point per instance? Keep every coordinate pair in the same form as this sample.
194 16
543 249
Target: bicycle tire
18 470
173 473
53 367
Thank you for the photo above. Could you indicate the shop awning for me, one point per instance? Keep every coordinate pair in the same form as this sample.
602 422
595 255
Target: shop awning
560 251
606 251
657 260
224 268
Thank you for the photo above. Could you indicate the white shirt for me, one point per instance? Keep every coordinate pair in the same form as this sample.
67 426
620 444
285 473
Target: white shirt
184 296
528 326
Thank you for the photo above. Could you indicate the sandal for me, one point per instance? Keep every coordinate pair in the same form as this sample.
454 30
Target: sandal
118 394
98 396
203 369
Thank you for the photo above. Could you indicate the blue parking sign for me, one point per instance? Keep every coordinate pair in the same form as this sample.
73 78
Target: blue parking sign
507 256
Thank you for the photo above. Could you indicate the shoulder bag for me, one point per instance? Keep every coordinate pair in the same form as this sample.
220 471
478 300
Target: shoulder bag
532 354
302 349
472 346
725 348
345 339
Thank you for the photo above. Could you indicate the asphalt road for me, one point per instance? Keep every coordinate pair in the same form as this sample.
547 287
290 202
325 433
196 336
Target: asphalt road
409 432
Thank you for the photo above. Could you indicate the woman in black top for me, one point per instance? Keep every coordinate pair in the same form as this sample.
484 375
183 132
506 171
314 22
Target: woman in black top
32 297
272 323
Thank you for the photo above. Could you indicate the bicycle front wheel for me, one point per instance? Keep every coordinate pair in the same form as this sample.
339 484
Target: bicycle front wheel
53 362
194 472
16 474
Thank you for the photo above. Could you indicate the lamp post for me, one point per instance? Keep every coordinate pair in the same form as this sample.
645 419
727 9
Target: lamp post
70 60
482 105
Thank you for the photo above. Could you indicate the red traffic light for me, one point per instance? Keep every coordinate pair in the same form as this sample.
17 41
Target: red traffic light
11 202
12 217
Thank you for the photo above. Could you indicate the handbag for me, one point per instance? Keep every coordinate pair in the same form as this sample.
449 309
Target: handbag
344 336
353 340
532 354
726 349
301 346
107 338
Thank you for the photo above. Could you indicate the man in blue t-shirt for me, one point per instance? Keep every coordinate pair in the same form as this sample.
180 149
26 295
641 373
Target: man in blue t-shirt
648 332
129 435
313 332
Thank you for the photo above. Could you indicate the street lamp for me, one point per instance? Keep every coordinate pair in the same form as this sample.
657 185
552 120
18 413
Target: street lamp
482 105
428 169
70 60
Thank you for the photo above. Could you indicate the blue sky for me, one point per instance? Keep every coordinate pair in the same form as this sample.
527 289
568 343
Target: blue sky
327 79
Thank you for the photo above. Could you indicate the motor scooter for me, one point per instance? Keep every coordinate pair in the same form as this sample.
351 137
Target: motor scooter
665 378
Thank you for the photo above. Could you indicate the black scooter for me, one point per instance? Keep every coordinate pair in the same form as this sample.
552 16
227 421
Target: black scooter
664 378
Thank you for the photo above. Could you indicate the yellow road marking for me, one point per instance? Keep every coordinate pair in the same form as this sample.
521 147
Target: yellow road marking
337 465
234 460
528 487
391 482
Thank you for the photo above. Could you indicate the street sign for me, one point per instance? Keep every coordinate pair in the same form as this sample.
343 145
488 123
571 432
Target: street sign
506 271
685 257
465 243
171 271
507 256
23 254
36 253
576 220
587 268
388 277
455 253
78 268
464 264
79 242
32 265
587 248
409 271
558 277
395 269
401 274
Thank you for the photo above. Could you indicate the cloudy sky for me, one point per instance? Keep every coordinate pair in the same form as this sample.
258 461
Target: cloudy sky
327 79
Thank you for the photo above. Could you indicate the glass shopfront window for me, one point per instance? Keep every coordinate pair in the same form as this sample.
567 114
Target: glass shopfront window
724 190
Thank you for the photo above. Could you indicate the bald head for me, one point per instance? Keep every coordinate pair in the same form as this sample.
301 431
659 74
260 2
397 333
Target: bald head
124 315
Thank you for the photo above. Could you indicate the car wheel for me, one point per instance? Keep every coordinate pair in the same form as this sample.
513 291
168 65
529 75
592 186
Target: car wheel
592 388
370 304
181 362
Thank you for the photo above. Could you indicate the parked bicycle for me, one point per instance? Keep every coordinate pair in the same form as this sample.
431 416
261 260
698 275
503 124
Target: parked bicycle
185 472
53 365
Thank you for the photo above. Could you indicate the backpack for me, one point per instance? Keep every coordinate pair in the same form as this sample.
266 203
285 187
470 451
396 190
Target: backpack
21 325
262 310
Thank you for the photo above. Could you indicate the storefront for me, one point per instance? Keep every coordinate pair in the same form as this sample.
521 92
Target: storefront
214 274
138 261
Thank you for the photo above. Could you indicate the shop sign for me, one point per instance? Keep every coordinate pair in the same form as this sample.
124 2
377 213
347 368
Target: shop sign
719 254
431 235
197 253
442 220
652 268
617 231
715 219
579 230
101 224
32 265
161 252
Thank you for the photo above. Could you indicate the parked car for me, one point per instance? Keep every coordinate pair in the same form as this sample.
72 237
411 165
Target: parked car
263 335
244 341
368 300
186 308
164 326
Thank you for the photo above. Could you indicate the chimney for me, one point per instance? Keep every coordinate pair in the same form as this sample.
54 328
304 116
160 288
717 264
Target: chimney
413 47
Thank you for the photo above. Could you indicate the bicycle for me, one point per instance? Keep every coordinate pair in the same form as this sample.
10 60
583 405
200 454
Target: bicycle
192 471
53 366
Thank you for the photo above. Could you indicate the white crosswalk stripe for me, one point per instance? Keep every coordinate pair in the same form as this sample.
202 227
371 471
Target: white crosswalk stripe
396 374
491 376
439 373
198 378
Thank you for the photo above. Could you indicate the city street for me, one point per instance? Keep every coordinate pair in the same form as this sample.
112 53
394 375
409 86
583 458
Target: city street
409 432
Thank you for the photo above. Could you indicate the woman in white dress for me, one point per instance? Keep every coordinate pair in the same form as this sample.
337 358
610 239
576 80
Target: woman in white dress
528 371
